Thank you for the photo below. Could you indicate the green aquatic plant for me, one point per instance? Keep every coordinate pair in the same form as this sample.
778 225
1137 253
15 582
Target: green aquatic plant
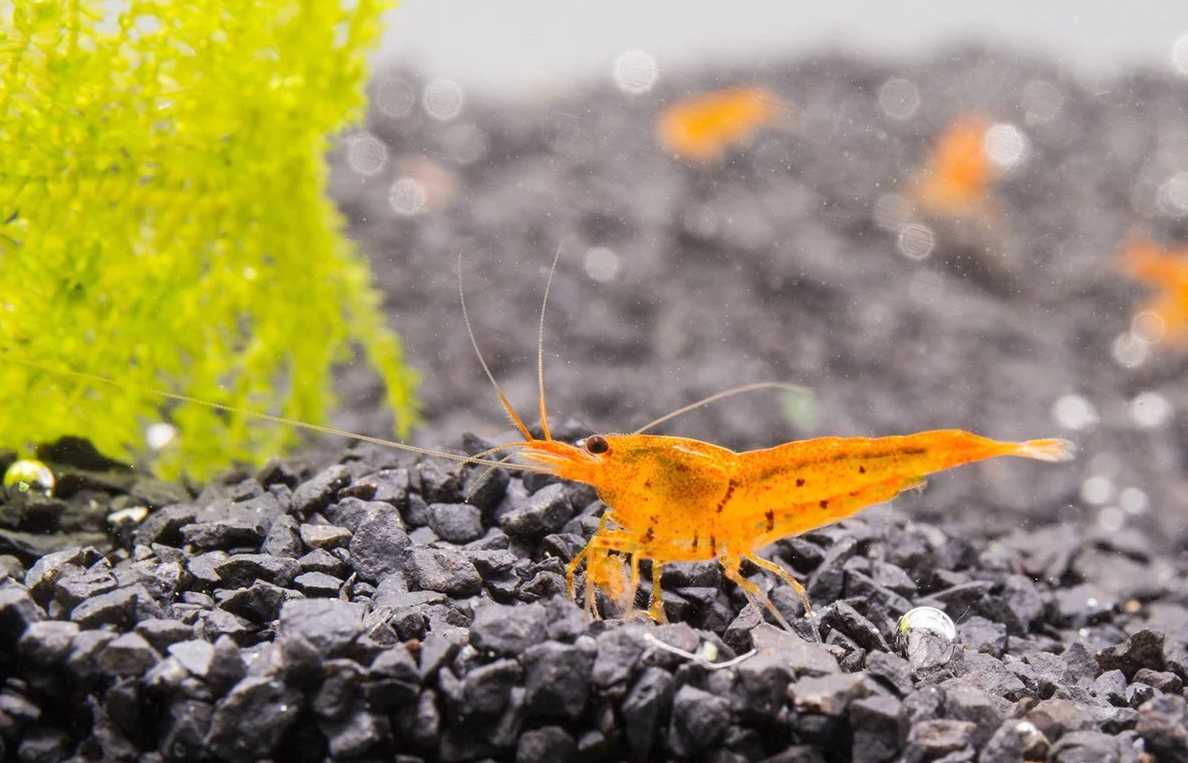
164 221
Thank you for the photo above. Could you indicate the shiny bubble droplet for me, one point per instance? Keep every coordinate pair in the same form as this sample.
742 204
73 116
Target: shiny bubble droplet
1130 350
1150 410
899 98
635 72
407 197
366 154
1074 412
916 241
443 99
159 435
29 476
927 637
601 264
1005 145
395 98
1148 326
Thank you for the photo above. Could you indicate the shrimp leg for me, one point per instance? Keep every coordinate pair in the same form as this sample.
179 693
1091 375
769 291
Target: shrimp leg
786 576
753 592
656 610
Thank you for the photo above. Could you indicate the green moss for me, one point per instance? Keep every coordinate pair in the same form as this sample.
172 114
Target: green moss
164 221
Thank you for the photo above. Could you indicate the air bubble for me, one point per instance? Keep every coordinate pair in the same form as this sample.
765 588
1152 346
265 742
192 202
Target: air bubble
395 98
1074 412
927 637
899 98
407 197
1150 410
1005 145
1148 326
916 241
1130 350
1133 501
1097 490
29 476
366 154
1111 519
601 264
443 99
635 72
159 435
1173 195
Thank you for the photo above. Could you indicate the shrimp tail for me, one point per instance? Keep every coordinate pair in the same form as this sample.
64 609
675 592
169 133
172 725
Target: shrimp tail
1046 450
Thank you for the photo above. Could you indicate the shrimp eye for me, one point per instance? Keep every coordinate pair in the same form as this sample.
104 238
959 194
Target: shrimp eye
597 444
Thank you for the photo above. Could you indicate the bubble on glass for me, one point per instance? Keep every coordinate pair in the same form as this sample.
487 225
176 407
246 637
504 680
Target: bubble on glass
892 212
443 99
1005 145
927 637
1097 490
916 241
1173 195
1180 54
407 197
160 435
366 153
601 264
1111 519
635 72
1130 350
1150 410
465 144
395 98
1148 326
1133 501
1074 412
30 477
1042 102
899 98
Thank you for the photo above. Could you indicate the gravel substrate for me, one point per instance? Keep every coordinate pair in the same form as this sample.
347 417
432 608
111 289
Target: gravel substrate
369 607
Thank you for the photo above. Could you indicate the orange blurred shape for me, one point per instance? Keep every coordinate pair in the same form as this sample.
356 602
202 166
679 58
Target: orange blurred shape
1166 271
703 126
959 172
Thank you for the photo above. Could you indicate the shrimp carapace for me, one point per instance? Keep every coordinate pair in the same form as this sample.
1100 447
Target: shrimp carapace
672 499
1167 271
703 126
959 172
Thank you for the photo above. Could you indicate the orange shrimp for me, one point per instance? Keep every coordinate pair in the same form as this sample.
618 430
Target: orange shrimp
959 172
703 126
674 499
1168 272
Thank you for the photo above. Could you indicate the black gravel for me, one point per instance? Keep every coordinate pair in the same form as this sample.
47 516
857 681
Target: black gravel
376 608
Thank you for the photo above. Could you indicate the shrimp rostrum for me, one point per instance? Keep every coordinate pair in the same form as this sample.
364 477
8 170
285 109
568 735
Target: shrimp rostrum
674 499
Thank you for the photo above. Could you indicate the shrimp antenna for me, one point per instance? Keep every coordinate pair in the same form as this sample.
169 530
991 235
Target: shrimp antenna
719 396
511 412
544 416
267 416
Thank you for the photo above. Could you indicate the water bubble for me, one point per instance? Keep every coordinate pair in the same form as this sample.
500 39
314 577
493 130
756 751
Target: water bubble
916 241
1074 412
29 476
443 99
465 144
601 264
395 98
407 197
927 637
892 212
1173 195
899 98
366 154
159 435
1133 500
1005 145
1180 54
1148 326
1150 410
1111 519
1041 101
1130 350
635 72
1097 490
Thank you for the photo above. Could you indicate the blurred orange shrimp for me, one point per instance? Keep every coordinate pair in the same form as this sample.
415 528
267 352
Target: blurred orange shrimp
959 172
1167 271
704 126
